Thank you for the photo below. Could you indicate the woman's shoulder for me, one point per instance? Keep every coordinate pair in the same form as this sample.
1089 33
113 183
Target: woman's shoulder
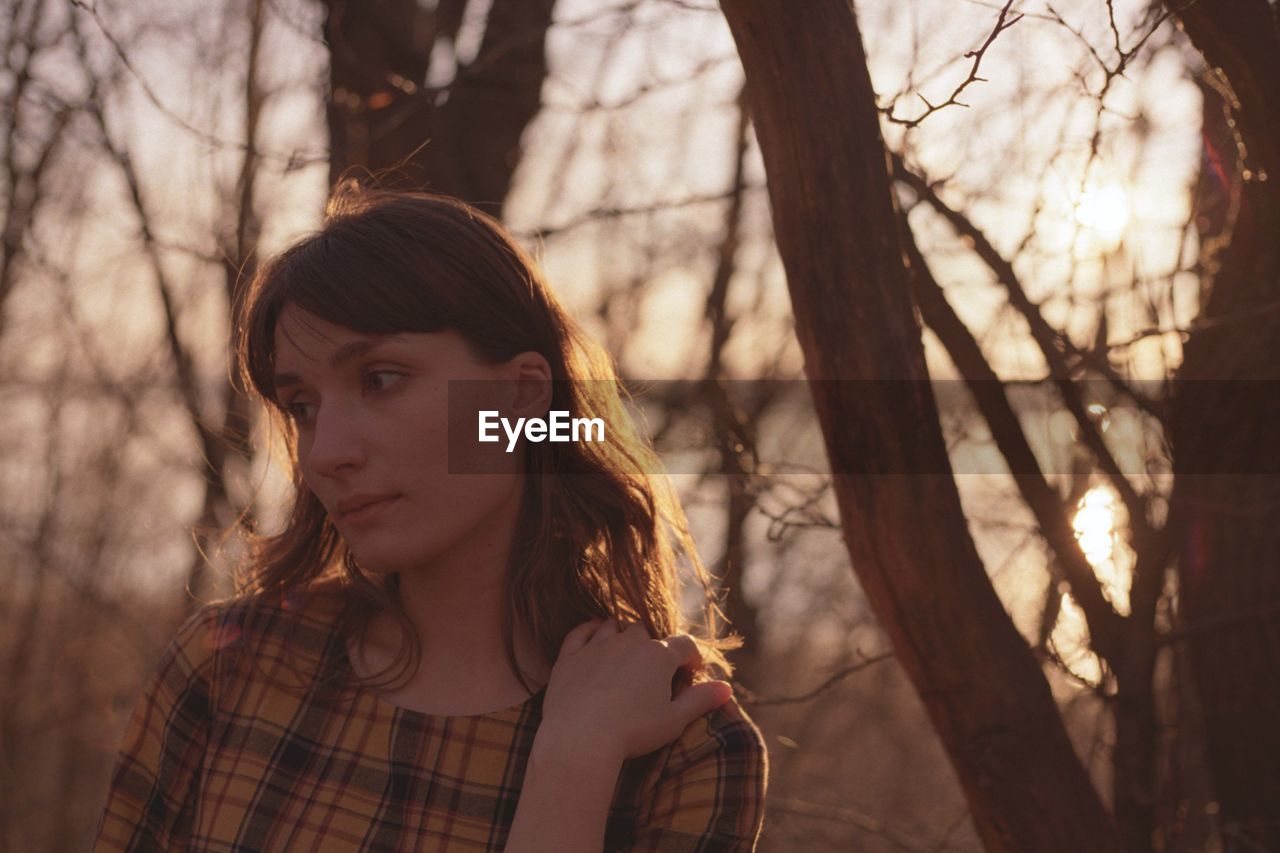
707 789
727 737
297 626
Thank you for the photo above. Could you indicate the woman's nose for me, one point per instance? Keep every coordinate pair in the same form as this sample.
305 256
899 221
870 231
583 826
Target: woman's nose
336 443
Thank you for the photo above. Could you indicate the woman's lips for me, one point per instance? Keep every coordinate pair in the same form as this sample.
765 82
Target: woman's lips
370 511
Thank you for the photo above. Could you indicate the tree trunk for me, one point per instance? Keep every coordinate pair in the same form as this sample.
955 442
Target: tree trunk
460 138
836 229
1133 660
1226 446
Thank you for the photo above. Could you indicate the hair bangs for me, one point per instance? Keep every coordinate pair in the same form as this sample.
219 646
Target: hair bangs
370 283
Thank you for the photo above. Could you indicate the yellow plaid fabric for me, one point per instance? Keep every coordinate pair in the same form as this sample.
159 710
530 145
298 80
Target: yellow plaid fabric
246 738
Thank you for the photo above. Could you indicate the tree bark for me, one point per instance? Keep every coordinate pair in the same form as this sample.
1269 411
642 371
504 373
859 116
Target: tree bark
1225 444
836 229
462 138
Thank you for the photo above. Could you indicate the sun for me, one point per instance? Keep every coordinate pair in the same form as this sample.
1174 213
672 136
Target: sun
1104 209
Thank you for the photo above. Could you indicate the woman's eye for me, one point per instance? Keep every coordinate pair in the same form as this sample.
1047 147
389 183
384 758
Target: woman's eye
298 413
382 380
375 381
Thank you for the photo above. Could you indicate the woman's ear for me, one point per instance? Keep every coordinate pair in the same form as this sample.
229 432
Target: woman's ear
530 374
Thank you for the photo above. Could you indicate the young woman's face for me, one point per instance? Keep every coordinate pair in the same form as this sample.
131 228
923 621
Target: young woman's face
372 415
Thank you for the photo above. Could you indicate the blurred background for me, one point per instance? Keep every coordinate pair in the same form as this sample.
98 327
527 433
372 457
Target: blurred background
1072 172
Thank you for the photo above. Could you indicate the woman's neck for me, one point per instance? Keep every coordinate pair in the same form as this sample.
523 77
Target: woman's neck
456 605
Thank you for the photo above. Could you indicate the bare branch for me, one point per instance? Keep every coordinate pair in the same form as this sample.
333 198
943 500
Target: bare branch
850 815
292 160
1053 345
1003 22
1105 625
754 700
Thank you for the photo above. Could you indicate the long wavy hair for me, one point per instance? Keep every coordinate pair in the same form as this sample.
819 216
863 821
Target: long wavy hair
600 533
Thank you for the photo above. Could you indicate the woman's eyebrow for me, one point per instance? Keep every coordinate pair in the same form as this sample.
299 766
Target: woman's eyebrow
342 355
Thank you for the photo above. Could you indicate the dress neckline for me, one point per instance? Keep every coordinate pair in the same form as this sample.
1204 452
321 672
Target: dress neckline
510 712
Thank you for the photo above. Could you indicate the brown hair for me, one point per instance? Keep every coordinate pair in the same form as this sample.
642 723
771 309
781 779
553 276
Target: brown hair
598 535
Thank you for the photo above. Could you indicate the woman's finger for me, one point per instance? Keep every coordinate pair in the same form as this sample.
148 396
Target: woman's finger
685 650
635 628
698 699
579 636
606 628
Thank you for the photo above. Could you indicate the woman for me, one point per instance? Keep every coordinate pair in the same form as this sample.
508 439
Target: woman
448 646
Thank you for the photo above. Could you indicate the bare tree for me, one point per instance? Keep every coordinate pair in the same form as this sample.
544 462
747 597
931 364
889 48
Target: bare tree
984 693
33 122
392 105
72 618
1201 413
1226 450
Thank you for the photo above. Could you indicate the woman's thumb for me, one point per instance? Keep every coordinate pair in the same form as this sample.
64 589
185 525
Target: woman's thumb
698 699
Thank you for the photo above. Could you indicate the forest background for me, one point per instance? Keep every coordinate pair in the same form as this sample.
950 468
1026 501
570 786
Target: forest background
1008 568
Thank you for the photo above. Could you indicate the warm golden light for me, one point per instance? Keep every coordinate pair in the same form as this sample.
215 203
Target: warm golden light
1105 210
1096 522
1097 525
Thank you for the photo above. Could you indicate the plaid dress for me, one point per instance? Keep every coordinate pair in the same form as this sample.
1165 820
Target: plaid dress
240 742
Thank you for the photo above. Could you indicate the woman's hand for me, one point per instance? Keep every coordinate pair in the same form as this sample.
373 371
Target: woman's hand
610 691
608 699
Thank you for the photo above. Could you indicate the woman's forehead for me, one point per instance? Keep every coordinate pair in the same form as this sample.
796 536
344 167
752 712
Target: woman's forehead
308 334
310 342
304 341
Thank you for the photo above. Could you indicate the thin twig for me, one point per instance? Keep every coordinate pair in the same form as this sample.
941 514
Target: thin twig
1002 23
750 698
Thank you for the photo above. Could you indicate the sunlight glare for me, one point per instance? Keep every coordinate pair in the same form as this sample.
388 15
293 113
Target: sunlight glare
1096 523
1097 527
1070 640
1104 209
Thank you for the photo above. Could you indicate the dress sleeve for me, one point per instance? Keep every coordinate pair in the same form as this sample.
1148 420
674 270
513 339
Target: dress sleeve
710 795
151 801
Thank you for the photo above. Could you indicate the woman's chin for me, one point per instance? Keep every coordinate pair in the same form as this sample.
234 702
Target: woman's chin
380 561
